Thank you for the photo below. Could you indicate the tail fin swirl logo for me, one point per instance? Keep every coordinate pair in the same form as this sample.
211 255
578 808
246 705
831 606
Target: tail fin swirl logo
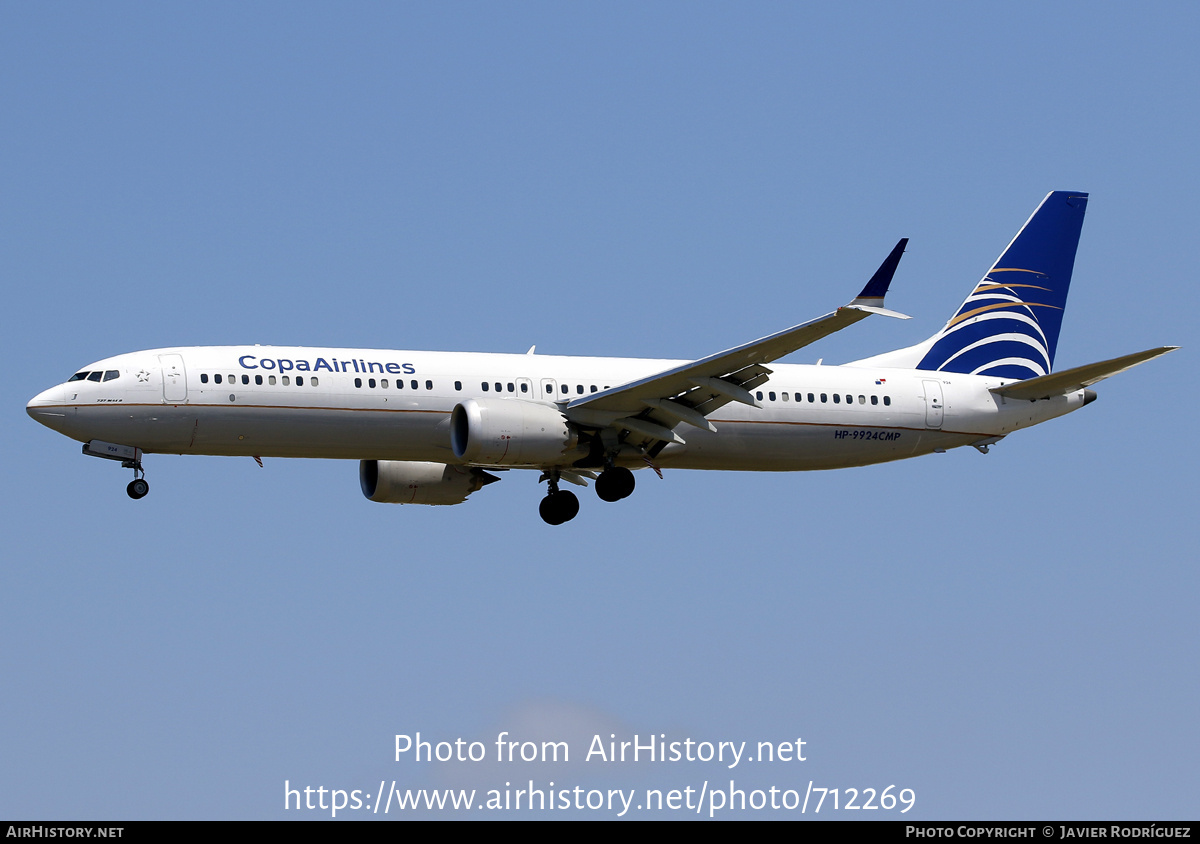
1009 325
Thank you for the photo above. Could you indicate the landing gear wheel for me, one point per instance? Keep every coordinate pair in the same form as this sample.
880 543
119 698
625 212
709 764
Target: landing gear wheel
614 484
137 488
568 504
559 507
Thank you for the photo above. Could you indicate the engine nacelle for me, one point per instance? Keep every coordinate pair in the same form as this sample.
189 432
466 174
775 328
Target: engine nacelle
510 432
405 482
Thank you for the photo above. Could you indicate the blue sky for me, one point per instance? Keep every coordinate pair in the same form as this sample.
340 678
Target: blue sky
1011 636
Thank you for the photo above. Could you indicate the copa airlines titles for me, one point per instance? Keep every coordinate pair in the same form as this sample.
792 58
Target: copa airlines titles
323 365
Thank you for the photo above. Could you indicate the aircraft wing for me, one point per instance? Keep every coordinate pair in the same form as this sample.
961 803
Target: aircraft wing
1070 380
651 407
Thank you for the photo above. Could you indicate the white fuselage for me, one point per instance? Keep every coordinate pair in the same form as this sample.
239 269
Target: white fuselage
368 404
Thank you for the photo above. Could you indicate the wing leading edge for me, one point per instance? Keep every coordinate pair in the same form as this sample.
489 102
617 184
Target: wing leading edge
650 408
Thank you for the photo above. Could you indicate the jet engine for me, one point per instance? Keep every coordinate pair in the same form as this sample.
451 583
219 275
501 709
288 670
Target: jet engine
510 432
405 482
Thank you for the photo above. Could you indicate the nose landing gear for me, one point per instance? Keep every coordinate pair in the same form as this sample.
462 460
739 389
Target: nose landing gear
137 487
130 457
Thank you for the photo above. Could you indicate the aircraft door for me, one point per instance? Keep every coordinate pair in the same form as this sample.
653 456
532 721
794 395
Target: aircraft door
525 389
933 404
549 390
174 378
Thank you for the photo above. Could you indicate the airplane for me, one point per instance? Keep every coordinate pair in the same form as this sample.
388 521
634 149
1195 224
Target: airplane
435 427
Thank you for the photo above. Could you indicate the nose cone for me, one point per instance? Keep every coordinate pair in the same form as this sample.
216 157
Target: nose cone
47 406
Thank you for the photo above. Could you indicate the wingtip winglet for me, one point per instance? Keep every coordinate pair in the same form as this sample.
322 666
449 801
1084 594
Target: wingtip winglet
874 291
871 297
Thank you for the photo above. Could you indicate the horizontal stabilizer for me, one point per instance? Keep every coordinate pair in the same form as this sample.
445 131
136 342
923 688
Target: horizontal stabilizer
1070 380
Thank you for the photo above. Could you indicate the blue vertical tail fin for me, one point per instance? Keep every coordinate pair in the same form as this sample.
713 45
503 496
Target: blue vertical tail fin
1008 327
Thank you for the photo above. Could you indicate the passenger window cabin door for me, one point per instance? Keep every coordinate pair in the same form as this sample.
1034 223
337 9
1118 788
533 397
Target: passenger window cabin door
174 378
934 405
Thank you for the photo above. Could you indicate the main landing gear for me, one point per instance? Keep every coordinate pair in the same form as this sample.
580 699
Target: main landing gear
614 483
559 505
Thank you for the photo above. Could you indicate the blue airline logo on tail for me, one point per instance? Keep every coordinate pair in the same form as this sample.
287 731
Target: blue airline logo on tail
1010 328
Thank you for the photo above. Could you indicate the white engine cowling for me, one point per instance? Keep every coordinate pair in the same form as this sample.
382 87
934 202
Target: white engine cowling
510 432
405 482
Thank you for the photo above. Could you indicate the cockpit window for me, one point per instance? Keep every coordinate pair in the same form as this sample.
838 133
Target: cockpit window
111 374
95 376
78 376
